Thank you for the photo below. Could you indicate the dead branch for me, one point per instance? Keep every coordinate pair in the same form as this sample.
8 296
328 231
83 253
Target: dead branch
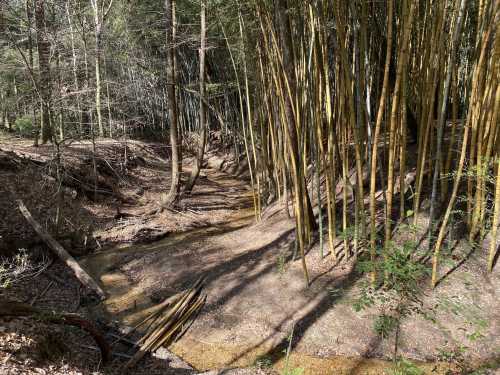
80 273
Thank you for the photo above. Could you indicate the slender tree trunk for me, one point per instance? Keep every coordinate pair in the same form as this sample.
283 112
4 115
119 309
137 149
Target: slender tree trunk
288 62
74 63
2 19
87 118
402 58
97 35
496 211
477 79
100 15
177 90
34 96
201 141
44 68
442 119
170 198
380 115
301 212
108 104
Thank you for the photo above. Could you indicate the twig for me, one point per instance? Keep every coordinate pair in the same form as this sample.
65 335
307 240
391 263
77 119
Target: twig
114 354
78 299
57 279
42 293
122 339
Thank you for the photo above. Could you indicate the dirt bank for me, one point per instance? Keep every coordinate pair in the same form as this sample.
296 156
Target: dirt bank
131 176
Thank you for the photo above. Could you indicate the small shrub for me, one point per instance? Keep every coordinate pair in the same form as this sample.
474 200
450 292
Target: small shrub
398 296
263 361
405 367
20 267
24 126
402 273
281 264
455 356
385 324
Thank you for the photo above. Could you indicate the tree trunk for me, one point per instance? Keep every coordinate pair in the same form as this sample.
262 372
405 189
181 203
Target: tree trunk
402 58
74 64
2 20
288 62
44 69
378 123
301 194
442 120
177 90
170 198
97 36
203 127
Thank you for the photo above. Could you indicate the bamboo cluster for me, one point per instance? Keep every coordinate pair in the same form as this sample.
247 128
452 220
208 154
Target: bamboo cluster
335 115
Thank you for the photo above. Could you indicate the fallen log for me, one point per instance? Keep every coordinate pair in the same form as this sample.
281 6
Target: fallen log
17 309
80 273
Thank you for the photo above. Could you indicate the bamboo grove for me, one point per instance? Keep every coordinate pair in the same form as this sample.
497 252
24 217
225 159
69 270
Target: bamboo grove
340 98
354 113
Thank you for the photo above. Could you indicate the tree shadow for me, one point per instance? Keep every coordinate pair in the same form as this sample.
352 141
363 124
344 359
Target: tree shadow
324 303
458 264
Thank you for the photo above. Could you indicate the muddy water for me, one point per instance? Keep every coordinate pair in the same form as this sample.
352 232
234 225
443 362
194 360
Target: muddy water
129 302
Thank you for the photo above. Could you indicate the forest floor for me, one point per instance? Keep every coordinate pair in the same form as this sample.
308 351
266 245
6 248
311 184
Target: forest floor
256 292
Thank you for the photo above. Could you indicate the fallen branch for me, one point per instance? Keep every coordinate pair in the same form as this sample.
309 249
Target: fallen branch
13 308
42 293
115 354
80 273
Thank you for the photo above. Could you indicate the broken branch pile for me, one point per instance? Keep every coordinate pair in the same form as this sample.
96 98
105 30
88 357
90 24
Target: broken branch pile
170 321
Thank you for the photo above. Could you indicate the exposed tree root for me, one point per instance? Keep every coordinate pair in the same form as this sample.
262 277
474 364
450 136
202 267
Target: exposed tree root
17 309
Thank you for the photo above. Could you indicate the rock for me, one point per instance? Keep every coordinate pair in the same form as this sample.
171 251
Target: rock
215 162
173 360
